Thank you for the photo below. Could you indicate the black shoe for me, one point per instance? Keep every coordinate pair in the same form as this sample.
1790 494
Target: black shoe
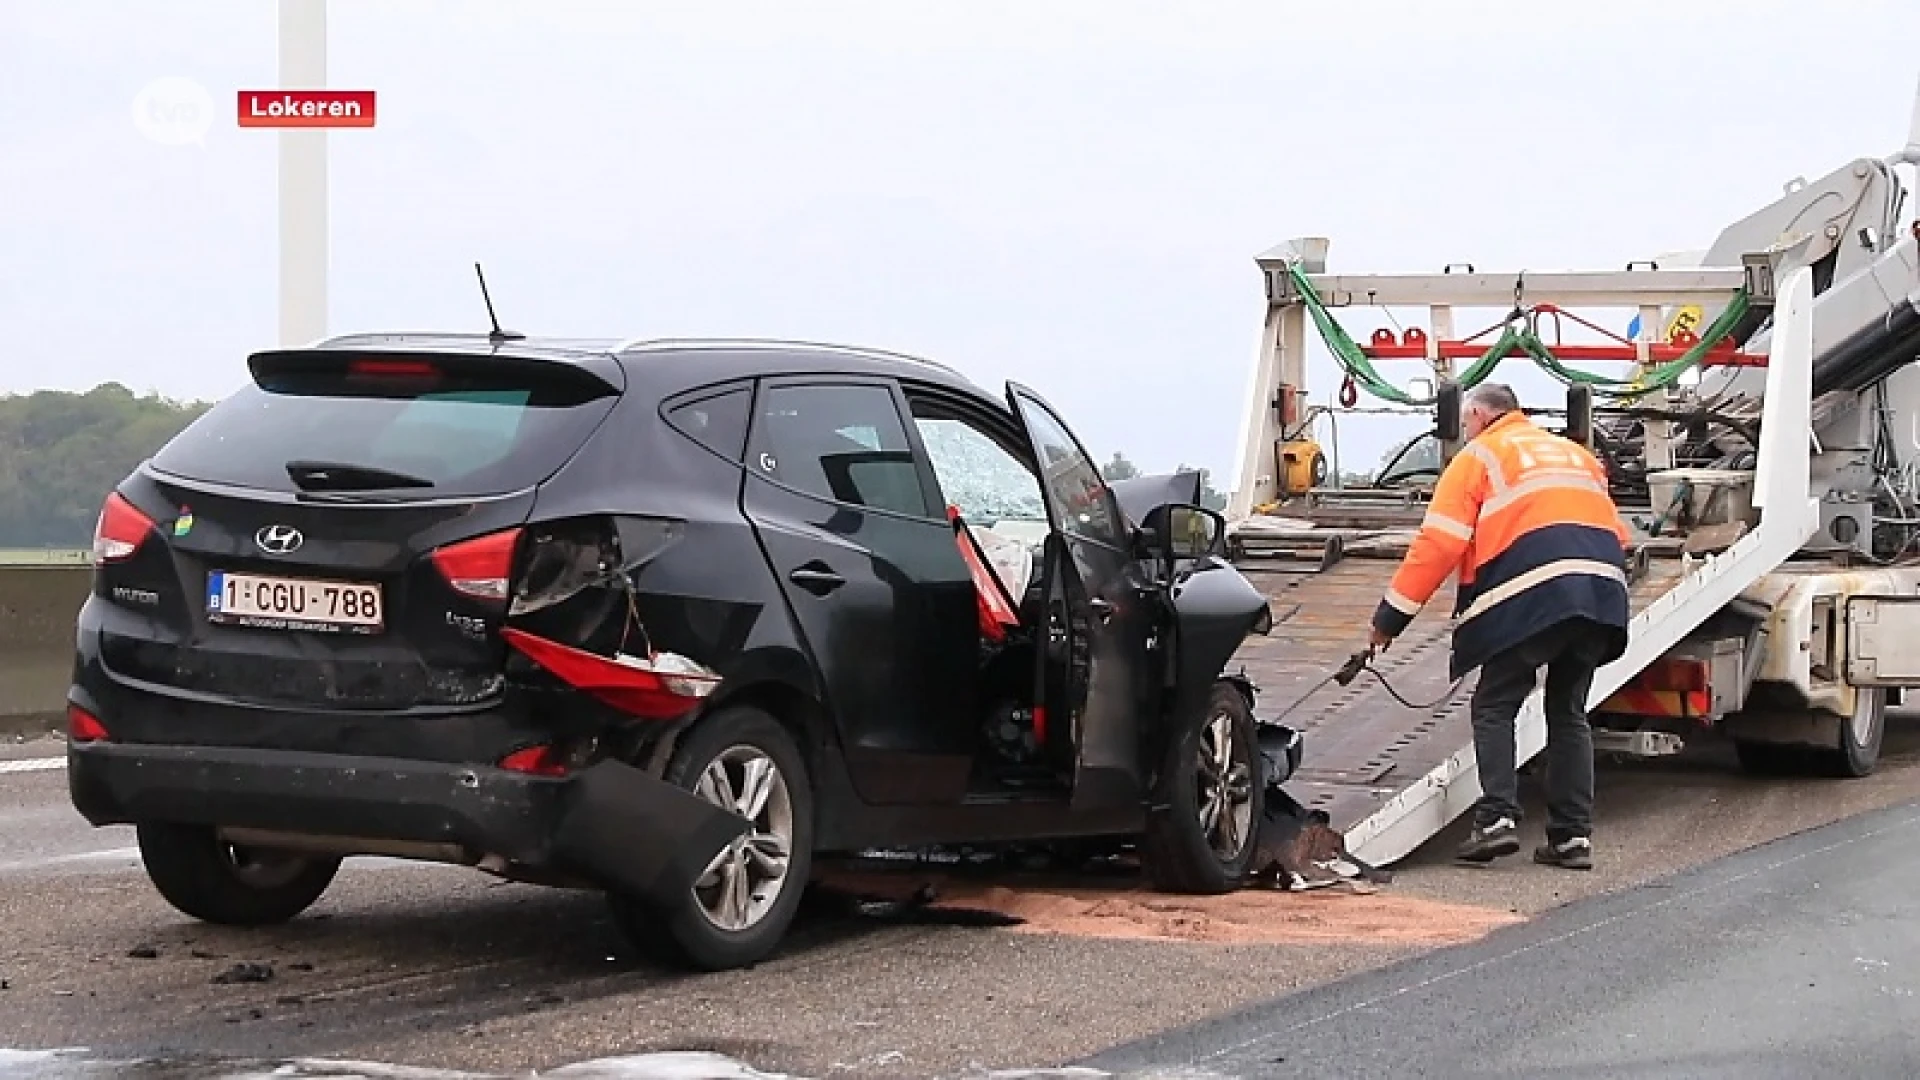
1489 842
1575 853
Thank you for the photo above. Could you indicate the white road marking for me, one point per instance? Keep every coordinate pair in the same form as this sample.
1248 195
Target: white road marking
39 764
108 855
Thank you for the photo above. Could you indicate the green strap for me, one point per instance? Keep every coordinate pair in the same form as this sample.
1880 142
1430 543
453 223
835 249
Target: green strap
1661 377
1359 367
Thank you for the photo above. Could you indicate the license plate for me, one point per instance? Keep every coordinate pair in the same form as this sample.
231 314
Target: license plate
277 603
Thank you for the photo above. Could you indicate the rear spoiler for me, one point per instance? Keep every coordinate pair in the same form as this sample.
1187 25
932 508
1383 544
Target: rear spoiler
582 375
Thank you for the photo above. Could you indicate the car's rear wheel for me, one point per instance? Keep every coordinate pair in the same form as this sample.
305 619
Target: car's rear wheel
202 875
1203 832
738 911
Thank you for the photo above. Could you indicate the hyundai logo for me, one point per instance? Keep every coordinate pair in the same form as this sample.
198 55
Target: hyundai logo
279 539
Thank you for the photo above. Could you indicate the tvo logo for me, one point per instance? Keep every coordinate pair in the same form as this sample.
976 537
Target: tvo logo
173 112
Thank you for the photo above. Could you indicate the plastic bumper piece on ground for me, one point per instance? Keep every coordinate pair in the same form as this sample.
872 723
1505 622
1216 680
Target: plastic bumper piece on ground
1281 747
611 822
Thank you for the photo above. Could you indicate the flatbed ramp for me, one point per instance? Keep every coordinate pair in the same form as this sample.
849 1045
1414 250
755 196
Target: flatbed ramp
1363 746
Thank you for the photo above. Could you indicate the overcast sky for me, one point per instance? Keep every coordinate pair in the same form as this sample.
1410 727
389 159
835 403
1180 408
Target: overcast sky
1069 192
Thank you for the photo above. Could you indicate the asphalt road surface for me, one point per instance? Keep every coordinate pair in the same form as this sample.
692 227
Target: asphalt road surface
443 968
1797 959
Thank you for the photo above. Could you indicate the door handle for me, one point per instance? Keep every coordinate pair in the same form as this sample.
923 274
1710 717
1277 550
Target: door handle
816 579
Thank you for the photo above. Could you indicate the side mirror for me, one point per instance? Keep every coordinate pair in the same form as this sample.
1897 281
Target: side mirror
1175 531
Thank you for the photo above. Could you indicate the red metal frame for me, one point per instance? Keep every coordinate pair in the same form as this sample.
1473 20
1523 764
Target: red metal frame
1412 345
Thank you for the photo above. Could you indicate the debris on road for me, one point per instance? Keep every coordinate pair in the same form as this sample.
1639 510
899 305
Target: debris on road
1298 849
1122 907
244 973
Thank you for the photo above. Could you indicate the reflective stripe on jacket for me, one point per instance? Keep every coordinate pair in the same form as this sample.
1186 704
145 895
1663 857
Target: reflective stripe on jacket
1522 517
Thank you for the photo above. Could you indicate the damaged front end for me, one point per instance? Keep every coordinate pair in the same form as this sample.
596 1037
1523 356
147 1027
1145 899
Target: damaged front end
1211 609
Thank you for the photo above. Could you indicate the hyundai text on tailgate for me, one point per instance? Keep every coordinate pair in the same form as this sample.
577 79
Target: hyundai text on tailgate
664 620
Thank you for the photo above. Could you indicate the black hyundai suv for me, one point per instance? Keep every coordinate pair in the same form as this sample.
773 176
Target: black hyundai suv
663 619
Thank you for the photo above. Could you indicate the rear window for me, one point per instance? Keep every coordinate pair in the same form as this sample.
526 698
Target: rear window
438 437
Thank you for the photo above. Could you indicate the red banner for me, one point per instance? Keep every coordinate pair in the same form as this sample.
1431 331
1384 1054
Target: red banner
306 108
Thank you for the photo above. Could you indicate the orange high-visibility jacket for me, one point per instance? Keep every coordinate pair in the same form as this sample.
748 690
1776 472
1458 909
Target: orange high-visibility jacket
1522 516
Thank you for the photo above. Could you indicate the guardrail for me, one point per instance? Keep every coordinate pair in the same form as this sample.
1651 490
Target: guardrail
40 596
10 557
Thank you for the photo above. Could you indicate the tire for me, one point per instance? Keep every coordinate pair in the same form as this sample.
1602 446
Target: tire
1855 753
1860 735
1187 848
205 877
692 933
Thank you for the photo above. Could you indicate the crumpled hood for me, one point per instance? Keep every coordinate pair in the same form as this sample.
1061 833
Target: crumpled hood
1141 494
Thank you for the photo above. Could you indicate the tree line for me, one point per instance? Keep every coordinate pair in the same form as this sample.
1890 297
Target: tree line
61 452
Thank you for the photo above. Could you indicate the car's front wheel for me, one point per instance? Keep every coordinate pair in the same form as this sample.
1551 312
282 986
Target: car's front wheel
743 760
202 875
1203 830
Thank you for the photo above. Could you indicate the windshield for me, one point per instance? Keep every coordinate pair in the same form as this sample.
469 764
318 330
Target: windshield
421 442
1415 461
987 483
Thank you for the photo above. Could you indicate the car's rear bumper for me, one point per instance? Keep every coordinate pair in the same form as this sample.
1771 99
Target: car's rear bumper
610 823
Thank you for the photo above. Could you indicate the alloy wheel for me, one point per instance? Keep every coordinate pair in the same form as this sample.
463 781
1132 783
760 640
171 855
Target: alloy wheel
1225 787
743 881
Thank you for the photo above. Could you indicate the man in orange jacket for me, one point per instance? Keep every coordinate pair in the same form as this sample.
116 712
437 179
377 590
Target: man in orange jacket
1523 517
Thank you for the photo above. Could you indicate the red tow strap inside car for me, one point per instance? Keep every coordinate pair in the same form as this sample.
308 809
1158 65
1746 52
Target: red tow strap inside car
650 695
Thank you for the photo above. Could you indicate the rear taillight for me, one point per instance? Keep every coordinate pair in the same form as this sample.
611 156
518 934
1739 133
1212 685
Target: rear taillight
121 530
535 761
83 726
482 567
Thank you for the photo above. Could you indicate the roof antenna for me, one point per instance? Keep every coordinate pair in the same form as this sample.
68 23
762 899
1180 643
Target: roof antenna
497 335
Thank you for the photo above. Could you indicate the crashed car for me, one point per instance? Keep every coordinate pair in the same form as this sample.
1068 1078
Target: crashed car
666 620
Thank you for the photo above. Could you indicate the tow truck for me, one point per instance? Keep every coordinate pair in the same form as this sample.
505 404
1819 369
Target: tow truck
1762 439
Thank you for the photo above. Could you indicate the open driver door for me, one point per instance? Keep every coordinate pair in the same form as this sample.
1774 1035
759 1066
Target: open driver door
1093 678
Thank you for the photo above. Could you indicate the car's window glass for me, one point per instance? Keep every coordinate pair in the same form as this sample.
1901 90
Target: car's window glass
718 423
1074 485
840 442
467 441
1416 460
979 476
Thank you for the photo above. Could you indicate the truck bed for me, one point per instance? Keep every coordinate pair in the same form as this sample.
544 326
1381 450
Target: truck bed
1362 746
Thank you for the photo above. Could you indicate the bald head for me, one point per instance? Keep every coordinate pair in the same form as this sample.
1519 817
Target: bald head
1485 404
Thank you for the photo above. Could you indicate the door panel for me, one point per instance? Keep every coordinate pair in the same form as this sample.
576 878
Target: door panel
1108 608
874 580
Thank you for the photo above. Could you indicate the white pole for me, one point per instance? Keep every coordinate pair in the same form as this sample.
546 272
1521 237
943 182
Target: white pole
303 179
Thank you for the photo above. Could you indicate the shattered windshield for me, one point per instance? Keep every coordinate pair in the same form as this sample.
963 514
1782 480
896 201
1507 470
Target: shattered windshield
988 484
